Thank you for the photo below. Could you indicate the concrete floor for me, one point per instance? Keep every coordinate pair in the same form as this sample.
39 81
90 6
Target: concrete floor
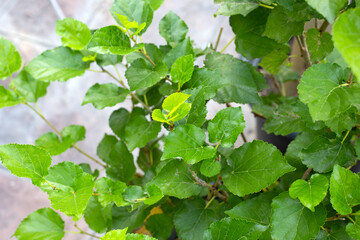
30 25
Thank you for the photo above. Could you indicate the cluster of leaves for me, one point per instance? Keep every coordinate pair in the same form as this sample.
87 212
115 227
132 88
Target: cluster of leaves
193 178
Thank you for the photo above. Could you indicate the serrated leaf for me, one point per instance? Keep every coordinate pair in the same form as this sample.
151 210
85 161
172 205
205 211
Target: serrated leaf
353 229
123 218
96 216
26 161
323 153
111 40
29 87
118 120
75 132
310 193
187 141
346 35
249 30
293 150
234 7
181 49
73 188
328 8
52 144
210 167
59 64
154 194
175 179
42 224
182 70
247 163
291 220
155 54
343 122
8 98
192 219
10 59
234 229
74 34
344 192
141 74
319 45
160 226
198 112
110 191
226 126
105 146
239 79
135 10
115 235
105 95
275 59
155 4
172 28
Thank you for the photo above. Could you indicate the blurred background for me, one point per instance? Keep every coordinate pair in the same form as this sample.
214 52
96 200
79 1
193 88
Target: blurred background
30 25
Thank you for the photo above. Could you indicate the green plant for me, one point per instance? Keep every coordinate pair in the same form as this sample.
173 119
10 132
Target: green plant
203 187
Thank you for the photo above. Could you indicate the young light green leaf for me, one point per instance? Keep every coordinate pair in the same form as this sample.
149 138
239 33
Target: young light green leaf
310 193
182 70
181 49
291 220
353 229
73 189
74 33
226 126
172 28
59 64
235 7
98 217
133 236
135 10
158 115
344 192
105 95
29 87
273 61
10 59
246 163
234 229
26 161
346 36
110 191
328 8
44 223
8 98
154 194
319 45
187 141
141 74
160 226
52 144
210 167
115 235
175 179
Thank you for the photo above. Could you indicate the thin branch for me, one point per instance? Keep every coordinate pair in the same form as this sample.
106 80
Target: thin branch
222 50
258 115
323 26
304 50
306 173
87 155
85 233
243 137
218 39
147 57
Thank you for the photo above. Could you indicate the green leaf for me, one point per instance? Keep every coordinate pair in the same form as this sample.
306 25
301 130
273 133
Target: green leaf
155 54
44 223
115 235
160 226
118 120
105 146
323 153
287 74
291 220
210 167
239 79
275 59
141 74
10 59
328 8
59 64
112 40
108 59
154 194
234 7
52 144
98 217
26 161
343 122
110 191
187 141
322 90
122 218
135 10
175 179
133 194
249 31
181 49
73 188
182 70
192 219
346 35
138 132
74 34
247 163
75 132
8 98
234 229
344 192
293 150
226 126
310 193
172 28
319 45
29 87
353 229
155 4
133 236
198 112
105 95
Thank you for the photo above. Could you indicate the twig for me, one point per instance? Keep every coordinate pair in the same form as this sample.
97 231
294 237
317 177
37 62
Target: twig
323 27
306 173
222 50
147 57
86 233
243 137
258 115
218 39
304 51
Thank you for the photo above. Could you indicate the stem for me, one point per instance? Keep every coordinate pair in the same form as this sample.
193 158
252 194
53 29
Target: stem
347 133
87 155
83 232
218 39
218 144
209 202
243 137
352 220
306 173
222 50
323 26
350 79
198 180
265 6
258 115
91 70
283 90
52 186
304 51
147 57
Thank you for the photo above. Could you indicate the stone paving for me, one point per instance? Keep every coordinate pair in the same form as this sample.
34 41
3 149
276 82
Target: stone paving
30 25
